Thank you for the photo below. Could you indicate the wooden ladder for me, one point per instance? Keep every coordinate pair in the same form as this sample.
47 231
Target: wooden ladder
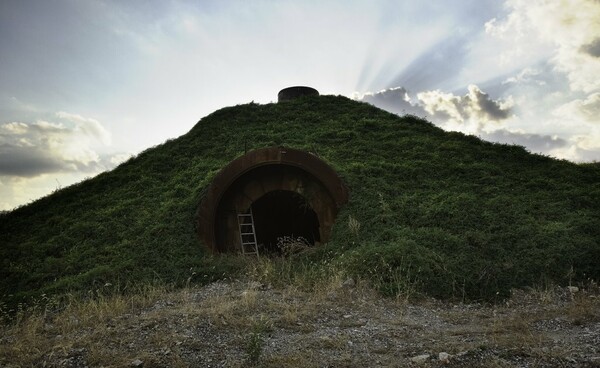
247 233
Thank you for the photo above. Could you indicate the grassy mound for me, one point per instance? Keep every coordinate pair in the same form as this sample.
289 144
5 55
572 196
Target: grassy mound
447 214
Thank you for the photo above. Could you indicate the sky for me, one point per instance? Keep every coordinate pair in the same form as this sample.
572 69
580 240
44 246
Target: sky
86 84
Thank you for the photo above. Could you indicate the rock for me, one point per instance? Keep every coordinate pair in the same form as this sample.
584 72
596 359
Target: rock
137 363
349 283
420 358
326 340
444 357
573 289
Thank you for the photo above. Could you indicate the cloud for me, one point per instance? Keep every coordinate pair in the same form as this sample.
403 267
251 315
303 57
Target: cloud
63 145
527 76
119 158
396 100
87 126
571 27
534 142
444 109
18 190
587 109
477 113
476 107
576 148
592 49
582 148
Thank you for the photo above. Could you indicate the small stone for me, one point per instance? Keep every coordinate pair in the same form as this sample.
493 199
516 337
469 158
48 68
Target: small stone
326 340
573 289
444 357
346 316
420 358
349 283
137 363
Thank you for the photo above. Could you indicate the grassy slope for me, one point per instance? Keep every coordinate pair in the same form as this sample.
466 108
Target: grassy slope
450 213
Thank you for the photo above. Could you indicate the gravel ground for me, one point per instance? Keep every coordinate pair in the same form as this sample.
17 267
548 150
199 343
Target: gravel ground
235 324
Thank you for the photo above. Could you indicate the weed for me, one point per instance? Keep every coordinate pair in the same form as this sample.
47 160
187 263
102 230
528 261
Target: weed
255 340
353 226
289 245
254 346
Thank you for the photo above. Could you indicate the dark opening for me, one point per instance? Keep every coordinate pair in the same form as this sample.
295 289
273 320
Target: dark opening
283 213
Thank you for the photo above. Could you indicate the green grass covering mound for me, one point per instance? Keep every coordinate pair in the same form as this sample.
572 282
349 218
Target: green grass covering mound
449 214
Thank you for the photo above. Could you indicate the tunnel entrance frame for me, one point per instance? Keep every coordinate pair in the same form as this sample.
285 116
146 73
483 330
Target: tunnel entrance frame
313 166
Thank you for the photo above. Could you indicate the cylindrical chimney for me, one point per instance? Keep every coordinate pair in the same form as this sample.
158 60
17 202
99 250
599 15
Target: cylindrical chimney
294 92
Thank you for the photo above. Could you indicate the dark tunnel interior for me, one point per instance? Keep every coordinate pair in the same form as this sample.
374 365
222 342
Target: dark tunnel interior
283 213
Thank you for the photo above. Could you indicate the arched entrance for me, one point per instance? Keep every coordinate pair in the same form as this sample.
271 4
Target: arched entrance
278 184
283 215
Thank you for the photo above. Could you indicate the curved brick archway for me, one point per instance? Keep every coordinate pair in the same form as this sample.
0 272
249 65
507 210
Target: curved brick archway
249 177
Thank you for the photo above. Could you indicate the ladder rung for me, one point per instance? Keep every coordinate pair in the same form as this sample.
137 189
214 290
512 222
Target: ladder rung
244 215
250 243
247 233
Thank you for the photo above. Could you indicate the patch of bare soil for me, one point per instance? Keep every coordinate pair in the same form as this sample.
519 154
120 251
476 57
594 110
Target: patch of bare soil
235 324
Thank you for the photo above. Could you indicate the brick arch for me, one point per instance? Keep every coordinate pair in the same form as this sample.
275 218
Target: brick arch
260 171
